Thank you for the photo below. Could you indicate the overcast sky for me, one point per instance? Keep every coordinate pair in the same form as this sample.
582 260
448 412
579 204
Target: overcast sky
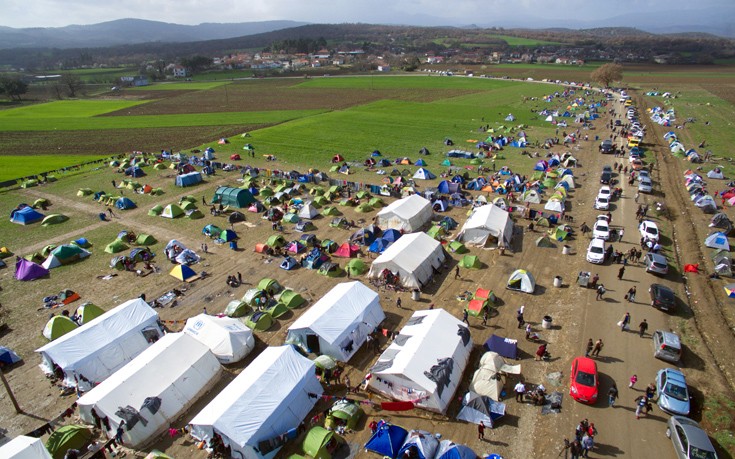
537 13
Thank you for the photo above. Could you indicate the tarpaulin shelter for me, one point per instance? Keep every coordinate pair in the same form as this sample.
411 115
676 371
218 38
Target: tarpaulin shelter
485 224
387 440
408 214
229 339
413 258
23 447
234 197
505 347
270 397
27 270
338 324
154 388
25 215
425 362
99 348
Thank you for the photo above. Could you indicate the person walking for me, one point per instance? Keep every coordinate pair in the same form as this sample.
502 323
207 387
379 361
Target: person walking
600 291
465 317
621 272
631 294
456 272
239 278
519 318
625 321
481 431
109 211
588 348
576 449
642 327
620 234
597 347
485 315
119 433
398 303
637 195
640 402
612 395
519 389
633 380
588 443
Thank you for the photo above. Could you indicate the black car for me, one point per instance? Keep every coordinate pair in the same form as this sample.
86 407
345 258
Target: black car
606 146
618 123
662 297
606 175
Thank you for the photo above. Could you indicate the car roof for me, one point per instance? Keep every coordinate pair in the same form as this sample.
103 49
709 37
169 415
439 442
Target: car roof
649 223
669 337
674 375
586 364
662 288
695 435
657 257
597 242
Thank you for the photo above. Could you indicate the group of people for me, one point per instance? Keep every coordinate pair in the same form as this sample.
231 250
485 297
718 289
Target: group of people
584 439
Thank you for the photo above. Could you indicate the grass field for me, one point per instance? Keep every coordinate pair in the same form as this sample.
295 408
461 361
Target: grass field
103 75
21 166
65 109
180 85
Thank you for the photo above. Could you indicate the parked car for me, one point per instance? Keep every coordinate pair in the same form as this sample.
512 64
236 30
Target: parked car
602 203
604 191
636 164
649 230
645 185
601 230
656 263
596 251
618 123
662 297
606 146
606 176
666 346
643 173
690 441
673 396
584 380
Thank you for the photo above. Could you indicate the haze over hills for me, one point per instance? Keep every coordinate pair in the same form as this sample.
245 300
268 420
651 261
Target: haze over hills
130 32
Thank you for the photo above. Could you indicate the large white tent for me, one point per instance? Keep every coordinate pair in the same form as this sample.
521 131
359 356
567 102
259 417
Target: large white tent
425 362
229 339
408 214
267 400
413 257
24 448
486 222
338 324
102 346
154 388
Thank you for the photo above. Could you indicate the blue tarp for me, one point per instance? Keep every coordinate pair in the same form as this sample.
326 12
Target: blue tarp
504 346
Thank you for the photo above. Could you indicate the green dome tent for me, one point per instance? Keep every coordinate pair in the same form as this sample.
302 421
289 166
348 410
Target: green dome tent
156 210
290 218
58 326
376 202
156 192
436 232
40 202
330 269
46 251
116 246
258 321
320 441
276 240
291 299
251 295
160 167
347 203
66 438
84 192
362 194
265 192
357 267
54 219
543 221
237 308
344 412
269 285
277 310
188 205
172 211
470 262
188 198
544 241
457 247
364 208
195 214
321 200
331 211
145 239
88 312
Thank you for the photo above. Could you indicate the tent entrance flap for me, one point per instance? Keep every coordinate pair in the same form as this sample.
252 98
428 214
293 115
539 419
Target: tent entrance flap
312 342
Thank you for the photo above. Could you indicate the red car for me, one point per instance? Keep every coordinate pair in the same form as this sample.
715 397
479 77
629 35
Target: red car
584 380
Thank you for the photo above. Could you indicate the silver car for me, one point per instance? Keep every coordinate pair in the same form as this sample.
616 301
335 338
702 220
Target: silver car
690 441
673 396
656 263
645 185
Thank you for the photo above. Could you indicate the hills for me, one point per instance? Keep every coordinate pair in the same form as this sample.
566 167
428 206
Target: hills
130 32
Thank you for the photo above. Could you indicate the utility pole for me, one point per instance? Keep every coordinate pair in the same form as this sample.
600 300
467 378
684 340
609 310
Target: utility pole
18 410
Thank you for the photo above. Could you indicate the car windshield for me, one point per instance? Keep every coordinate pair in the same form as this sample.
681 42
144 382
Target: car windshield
696 453
602 199
596 249
652 230
601 227
585 379
676 391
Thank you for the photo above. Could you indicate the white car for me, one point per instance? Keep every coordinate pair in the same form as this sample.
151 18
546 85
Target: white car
645 185
602 203
604 191
596 251
649 230
643 173
601 230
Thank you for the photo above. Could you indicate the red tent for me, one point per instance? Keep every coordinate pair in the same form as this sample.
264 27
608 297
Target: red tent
347 250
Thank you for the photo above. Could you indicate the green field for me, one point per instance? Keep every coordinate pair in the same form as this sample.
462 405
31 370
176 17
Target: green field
519 41
21 166
179 86
409 82
65 109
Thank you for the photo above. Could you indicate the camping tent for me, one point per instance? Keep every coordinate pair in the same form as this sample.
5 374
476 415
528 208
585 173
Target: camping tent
160 383
234 197
308 211
485 381
67 437
58 326
192 178
172 211
505 347
347 250
23 447
408 214
8 356
228 339
450 450
522 281
25 216
480 408
87 312
268 399
116 246
124 203
420 444
27 270
717 240
423 174
470 262
413 257
99 348
183 273
484 223
387 440
64 255
425 362
338 324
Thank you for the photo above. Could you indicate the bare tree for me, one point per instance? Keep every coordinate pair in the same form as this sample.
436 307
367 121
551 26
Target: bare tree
608 73
72 83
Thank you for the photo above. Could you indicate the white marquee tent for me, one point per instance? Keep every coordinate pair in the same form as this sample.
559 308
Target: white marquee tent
413 257
268 399
229 339
484 223
425 362
338 324
157 386
99 348
24 448
408 214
